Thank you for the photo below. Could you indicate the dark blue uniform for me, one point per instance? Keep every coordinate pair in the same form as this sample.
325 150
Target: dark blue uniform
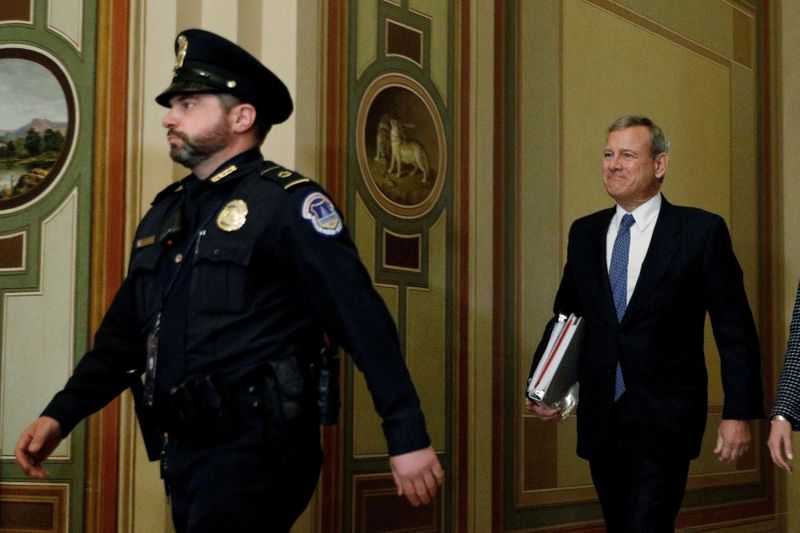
239 277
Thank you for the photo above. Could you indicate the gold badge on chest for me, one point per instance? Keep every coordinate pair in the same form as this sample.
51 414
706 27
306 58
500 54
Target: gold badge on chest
233 216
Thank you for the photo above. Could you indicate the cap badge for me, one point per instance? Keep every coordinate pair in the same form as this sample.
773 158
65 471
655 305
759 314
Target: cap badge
183 45
318 209
233 216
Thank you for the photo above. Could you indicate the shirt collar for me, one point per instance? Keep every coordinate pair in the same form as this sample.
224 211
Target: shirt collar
228 169
643 216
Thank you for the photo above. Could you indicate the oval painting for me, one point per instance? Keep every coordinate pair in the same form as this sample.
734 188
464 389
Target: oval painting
37 123
401 147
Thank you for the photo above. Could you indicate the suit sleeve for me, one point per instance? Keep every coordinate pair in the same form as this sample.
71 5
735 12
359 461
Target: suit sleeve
567 299
340 291
733 327
787 398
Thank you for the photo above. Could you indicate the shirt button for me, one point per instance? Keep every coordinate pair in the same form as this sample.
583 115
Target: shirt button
179 258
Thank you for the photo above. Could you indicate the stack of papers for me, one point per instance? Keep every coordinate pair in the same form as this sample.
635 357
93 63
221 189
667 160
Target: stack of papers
554 371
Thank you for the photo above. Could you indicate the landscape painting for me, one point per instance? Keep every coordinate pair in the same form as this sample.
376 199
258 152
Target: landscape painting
36 123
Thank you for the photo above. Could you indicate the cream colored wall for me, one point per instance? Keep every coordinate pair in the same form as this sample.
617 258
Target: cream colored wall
287 40
787 240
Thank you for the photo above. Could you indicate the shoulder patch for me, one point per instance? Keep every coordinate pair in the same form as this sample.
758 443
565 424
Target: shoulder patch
320 211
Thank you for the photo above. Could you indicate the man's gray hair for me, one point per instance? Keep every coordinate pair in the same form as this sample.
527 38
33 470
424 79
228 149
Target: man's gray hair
658 141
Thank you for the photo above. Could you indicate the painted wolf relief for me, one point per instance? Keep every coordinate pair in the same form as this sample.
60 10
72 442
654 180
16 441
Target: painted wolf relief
35 126
401 148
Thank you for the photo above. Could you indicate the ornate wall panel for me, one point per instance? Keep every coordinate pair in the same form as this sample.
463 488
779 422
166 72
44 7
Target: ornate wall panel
401 204
47 68
571 69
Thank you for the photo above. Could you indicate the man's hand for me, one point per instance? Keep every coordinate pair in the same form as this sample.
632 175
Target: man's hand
35 444
733 440
780 443
544 413
417 475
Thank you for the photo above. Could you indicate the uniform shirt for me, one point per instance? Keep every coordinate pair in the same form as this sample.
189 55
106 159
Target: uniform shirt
263 289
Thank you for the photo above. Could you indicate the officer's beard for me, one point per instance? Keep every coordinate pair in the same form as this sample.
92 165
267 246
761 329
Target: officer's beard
194 150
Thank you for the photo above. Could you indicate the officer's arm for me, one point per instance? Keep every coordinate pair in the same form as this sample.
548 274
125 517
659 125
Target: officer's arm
101 374
340 292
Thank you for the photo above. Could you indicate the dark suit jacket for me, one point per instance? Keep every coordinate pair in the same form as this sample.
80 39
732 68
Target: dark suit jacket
689 269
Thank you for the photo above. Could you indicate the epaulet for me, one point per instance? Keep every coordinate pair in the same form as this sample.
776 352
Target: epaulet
283 177
169 190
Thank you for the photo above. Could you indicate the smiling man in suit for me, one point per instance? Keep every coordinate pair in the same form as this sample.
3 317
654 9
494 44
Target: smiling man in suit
643 274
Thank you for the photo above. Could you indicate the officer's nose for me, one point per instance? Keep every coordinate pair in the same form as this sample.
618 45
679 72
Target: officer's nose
168 120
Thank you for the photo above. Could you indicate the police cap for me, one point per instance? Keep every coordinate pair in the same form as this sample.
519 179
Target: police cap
208 63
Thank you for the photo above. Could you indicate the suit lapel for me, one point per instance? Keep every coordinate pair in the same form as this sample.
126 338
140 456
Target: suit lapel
663 246
599 267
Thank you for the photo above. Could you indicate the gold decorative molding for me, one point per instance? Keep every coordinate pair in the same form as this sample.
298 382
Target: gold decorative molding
39 507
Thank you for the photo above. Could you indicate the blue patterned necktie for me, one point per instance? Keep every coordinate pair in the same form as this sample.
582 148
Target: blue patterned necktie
618 276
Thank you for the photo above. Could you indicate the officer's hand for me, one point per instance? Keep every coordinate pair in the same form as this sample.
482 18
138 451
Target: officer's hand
35 444
417 475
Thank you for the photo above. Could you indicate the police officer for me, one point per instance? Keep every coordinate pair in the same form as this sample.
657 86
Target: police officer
238 273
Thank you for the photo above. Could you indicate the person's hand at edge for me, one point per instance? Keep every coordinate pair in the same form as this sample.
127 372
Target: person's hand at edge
780 443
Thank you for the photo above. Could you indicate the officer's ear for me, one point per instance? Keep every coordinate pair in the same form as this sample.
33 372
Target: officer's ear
243 117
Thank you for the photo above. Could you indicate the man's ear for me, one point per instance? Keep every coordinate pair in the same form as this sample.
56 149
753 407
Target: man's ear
243 117
661 161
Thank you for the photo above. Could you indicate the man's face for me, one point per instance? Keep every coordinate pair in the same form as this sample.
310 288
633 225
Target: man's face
630 174
197 128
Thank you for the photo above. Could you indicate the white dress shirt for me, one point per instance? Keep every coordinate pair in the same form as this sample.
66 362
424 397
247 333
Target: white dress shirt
644 218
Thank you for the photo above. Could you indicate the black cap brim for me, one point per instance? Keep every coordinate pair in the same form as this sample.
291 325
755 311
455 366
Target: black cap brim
184 87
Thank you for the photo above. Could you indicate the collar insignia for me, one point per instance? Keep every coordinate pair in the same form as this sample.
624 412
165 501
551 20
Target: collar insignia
222 173
145 241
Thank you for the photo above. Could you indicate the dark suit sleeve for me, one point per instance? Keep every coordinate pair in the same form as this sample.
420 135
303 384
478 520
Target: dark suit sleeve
733 326
567 299
787 399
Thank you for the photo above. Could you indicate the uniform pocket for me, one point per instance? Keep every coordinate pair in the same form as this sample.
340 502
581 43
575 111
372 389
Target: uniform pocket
219 275
144 263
